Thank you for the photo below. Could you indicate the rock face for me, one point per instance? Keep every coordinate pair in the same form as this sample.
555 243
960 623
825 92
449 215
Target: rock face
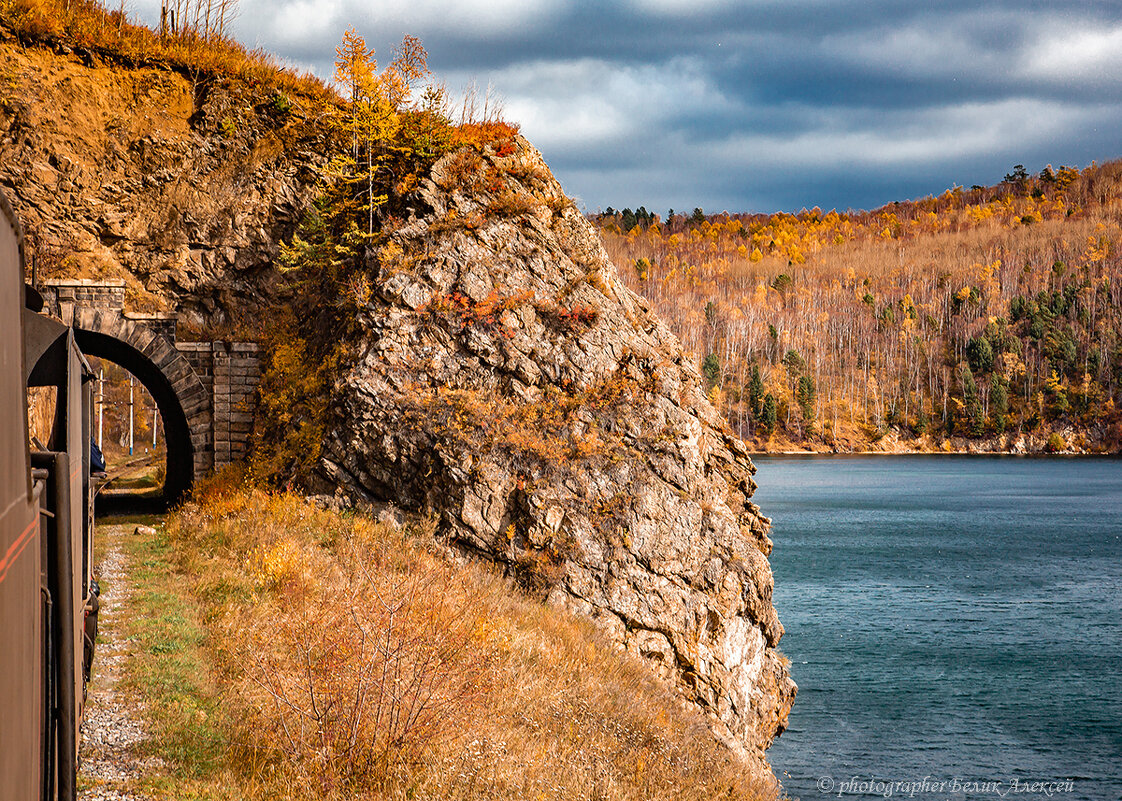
181 188
509 383
504 379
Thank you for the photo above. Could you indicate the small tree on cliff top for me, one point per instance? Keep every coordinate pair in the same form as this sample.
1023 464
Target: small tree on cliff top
374 102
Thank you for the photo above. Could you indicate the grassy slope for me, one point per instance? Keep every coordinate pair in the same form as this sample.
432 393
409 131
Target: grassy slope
287 651
89 26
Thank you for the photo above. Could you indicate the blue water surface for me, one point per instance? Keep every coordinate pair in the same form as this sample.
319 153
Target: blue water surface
949 618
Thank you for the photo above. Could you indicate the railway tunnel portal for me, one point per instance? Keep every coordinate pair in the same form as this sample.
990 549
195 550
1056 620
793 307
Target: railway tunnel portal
205 391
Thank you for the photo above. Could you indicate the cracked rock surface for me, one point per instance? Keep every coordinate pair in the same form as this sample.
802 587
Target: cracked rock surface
180 189
506 381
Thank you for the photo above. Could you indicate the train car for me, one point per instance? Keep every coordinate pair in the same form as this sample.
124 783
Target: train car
48 600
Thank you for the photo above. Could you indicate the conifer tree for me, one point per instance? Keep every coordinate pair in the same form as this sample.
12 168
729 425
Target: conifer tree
373 113
999 402
770 413
711 368
805 394
756 393
976 422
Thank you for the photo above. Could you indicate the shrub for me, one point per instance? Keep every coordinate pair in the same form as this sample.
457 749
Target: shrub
362 668
355 660
567 319
282 103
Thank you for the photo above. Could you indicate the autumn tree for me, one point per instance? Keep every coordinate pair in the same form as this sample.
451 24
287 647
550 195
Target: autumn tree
381 140
373 112
370 117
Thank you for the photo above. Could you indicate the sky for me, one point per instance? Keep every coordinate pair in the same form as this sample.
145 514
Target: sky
756 105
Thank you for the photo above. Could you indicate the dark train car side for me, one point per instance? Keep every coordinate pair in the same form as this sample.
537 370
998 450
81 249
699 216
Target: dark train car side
48 600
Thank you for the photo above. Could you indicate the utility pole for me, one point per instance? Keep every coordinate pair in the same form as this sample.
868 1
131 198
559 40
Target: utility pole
100 406
130 413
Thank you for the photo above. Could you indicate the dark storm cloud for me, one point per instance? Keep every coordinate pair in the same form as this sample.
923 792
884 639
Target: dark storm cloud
757 105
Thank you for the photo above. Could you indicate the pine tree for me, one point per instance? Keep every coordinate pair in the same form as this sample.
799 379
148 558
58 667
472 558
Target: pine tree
756 393
711 368
804 395
999 402
770 413
976 421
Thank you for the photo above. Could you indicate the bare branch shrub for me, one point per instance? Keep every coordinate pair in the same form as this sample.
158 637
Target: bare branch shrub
362 667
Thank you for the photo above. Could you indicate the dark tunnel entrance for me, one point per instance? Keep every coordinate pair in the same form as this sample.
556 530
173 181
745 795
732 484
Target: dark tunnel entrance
180 473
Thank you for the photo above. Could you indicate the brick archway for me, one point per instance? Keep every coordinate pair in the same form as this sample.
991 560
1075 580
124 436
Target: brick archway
205 391
182 398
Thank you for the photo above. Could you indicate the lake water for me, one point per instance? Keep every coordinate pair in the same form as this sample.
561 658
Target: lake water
949 619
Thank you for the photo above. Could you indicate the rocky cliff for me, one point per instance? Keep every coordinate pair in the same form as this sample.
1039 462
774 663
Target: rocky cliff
501 378
507 381
180 186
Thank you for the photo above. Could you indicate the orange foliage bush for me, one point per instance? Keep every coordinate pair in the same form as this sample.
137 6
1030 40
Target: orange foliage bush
497 135
463 312
567 320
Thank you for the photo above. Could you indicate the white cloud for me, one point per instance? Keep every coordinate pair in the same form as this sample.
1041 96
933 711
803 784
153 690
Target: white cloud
910 139
679 8
915 51
590 102
934 46
1071 53
292 20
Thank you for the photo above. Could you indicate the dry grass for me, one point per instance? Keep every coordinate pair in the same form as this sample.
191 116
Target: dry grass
87 24
355 660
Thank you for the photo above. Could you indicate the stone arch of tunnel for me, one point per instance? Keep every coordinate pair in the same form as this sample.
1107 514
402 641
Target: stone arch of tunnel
180 396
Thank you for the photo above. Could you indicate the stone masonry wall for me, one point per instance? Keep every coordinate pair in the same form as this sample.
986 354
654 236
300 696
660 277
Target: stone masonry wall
231 372
84 292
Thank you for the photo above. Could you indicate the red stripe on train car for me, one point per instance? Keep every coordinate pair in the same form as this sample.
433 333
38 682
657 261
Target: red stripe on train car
16 548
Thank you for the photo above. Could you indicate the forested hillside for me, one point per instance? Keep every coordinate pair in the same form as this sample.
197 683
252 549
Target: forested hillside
986 318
